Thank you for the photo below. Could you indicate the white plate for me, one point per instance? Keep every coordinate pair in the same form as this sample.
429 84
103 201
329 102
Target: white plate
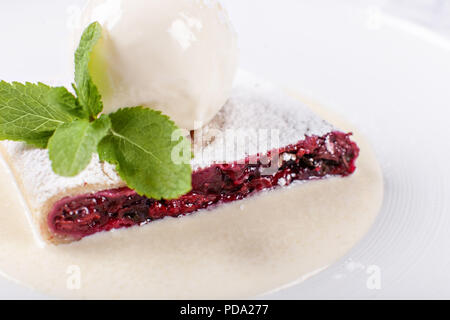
388 76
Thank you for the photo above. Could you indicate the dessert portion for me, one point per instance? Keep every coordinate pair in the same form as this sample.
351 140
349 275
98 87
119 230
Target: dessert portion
101 157
300 147
116 153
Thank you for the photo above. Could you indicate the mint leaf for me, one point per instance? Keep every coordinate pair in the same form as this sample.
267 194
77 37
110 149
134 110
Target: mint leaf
66 101
32 112
140 145
87 92
72 145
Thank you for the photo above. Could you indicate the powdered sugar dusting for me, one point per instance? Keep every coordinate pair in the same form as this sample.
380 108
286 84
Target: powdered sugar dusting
258 117
39 181
255 107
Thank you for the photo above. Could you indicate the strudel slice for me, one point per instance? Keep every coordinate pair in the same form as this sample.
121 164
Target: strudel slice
261 139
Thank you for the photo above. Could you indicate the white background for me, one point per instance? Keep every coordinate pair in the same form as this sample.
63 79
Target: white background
389 76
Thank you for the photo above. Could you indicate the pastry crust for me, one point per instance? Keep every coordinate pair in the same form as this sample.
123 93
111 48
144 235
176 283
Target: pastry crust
255 106
38 210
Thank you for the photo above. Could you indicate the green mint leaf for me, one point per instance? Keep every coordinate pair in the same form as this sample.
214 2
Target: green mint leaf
72 145
87 92
32 112
140 145
61 97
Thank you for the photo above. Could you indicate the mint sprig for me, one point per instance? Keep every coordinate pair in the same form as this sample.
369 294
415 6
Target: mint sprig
87 92
32 112
139 144
138 141
72 145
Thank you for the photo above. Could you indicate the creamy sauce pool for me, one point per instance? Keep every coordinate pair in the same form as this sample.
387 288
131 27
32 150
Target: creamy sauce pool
238 250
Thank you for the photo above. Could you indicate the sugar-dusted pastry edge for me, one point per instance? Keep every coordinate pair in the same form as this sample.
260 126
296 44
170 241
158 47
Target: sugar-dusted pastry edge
26 203
31 213
37 215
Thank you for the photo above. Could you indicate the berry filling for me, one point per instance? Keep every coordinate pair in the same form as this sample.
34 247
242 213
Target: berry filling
312 158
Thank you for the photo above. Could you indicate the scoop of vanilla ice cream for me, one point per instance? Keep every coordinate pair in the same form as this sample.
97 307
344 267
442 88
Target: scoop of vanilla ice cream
176 56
